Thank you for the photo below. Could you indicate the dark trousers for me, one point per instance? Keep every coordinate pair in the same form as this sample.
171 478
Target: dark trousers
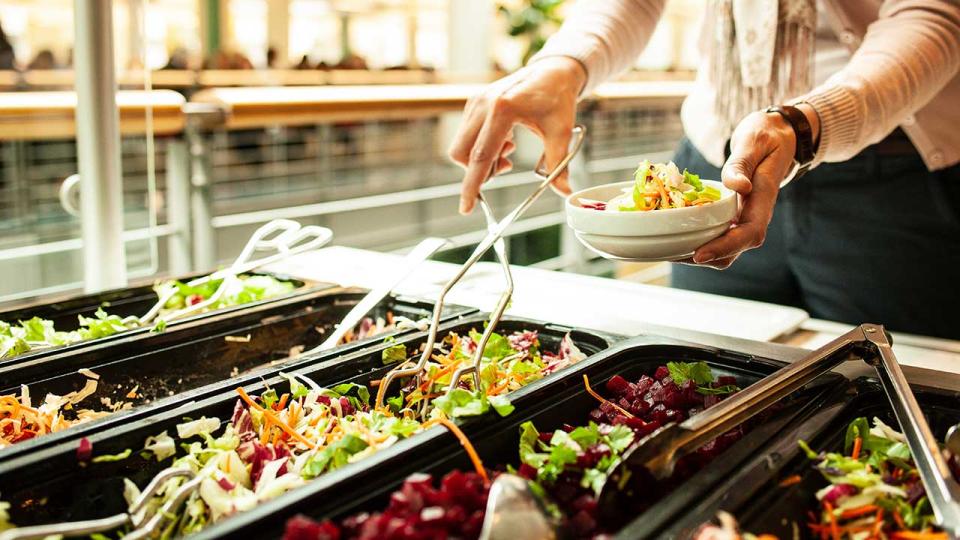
874 239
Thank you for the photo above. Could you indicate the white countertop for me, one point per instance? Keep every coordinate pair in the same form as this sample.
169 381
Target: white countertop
610 305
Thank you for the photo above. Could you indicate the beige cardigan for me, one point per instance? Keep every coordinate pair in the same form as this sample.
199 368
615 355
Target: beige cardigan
903 72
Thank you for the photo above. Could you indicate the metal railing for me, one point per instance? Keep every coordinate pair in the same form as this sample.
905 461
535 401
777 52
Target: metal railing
367 162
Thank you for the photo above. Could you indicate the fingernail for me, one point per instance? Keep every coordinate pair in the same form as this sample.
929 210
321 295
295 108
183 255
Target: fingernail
703 257
464 207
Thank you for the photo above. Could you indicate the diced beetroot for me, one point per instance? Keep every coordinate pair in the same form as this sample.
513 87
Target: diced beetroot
617 385
725 380
301 527
546 436
568 428
527 471
644 384
661 373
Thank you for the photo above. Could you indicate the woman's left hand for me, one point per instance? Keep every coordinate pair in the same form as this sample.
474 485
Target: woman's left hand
761 155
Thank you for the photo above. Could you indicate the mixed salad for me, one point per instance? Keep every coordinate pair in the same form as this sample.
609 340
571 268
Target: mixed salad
568 465
658 186
275 442
37 333
873 491
20 421
508 363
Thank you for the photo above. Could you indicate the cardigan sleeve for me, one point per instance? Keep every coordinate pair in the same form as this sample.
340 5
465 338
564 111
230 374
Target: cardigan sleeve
605 36
907 56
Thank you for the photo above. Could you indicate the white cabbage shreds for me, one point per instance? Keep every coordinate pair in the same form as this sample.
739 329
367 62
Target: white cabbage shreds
196 427
161 445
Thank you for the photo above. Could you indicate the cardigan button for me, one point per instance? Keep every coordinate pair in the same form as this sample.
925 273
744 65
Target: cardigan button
936 157
909 120
847 37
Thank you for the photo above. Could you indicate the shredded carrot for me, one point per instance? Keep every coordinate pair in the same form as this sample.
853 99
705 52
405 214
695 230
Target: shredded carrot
494 390
878 525
269 415
912 535
245 397
857 445
858 511
440 373
465 442
790 480
375 383
282 403
601 399
899 519
834 529
767 537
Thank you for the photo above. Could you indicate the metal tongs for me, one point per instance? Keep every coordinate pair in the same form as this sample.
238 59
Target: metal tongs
657 454
493 239
143 520
282 237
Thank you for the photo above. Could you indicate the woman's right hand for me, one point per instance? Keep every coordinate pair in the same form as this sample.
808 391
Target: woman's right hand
541 97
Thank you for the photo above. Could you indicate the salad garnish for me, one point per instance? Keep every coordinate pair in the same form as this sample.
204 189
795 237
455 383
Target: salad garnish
37 333
658 186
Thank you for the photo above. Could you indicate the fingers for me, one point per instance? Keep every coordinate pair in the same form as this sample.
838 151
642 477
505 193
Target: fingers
556 144
751 228
486 149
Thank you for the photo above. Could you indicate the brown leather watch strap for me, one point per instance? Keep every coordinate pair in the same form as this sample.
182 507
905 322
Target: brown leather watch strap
806 150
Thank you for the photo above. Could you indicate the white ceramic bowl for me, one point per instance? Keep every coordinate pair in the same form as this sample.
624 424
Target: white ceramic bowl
657 235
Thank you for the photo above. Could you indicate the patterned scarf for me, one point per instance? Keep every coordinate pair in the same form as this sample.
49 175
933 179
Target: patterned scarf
761 53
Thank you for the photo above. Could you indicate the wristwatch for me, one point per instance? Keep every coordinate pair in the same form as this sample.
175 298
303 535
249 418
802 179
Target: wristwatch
806 147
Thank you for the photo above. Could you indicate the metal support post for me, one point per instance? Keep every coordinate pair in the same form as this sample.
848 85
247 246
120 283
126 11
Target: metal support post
201 118
179 244
98 147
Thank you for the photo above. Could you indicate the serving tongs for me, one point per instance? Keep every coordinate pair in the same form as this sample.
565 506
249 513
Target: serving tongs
654 457
423 251
493 238
145 521
280 238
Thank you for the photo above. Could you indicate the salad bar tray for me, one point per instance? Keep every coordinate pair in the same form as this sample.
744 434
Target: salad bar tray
62 486
776 493
64 315
557 403
140 374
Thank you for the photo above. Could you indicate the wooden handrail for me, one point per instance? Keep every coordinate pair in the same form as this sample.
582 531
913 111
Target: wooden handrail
50 115
259 107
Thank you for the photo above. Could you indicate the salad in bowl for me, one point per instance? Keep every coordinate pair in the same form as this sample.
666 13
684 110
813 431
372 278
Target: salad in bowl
658 186
663 214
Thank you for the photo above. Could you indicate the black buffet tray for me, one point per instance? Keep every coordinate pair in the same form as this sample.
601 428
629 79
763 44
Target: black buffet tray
135 301
755 497
48 485
549 404
196 354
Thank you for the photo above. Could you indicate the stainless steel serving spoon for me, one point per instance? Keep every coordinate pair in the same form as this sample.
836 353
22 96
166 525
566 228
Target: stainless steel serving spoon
657 454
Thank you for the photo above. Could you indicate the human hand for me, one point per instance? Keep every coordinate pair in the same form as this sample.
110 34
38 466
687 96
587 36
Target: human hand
541 97
762 151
